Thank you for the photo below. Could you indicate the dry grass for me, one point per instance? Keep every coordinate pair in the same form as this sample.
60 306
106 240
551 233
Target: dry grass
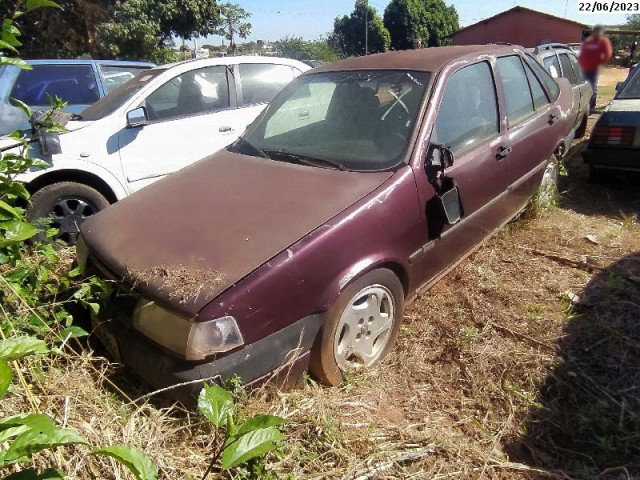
524 363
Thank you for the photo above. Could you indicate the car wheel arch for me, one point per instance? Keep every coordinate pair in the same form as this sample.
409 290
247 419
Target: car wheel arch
363 266
79 176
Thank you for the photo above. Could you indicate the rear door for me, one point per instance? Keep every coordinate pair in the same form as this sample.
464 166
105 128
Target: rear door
257 85
582 85
191 116
569 73
531 122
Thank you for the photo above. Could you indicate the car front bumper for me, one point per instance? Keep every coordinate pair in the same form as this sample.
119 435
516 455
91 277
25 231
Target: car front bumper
182 380
612 158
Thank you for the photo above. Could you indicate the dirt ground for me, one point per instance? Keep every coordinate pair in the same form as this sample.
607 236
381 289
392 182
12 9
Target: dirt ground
522 363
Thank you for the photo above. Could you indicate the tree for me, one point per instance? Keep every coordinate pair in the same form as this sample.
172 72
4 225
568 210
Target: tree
349 31
141 28
68 31
299 49
233 23
431 22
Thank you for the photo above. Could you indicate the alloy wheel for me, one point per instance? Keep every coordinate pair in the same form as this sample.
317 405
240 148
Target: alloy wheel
68 214
364 328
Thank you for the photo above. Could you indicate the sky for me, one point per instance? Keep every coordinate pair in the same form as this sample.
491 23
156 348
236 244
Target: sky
310 19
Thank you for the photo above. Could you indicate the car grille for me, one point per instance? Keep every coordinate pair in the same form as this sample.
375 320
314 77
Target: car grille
613 136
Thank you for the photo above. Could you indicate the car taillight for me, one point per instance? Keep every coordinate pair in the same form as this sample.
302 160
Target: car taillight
607 135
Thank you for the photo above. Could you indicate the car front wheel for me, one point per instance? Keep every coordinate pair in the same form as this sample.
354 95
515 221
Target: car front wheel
67 204
360 328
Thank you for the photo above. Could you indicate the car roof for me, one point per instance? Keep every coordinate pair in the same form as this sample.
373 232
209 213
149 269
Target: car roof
236 60
424 59
550 48
123 63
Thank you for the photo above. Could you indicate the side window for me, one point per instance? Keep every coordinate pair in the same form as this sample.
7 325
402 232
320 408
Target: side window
537 92
261 82
577 69
116 75
199 91
516 88
567 69
552 65
468 113
75 84
552 87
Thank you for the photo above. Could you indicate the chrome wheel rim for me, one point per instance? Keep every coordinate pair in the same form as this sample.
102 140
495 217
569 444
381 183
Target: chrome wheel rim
365 327
67 216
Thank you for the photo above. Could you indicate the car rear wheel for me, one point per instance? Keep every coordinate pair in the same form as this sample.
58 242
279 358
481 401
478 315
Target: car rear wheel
582 128
360 328
67 204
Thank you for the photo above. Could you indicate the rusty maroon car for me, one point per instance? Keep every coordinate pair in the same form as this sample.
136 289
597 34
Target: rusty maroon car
299 245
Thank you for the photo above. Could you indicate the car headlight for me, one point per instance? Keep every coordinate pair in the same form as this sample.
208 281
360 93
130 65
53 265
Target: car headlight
192 340
82 253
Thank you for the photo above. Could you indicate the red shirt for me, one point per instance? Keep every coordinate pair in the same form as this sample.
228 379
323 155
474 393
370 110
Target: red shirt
595 52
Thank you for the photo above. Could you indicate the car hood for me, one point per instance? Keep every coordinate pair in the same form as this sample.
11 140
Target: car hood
190 236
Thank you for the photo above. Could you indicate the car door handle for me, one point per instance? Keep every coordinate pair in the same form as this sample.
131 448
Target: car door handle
503 152
225 129
553 119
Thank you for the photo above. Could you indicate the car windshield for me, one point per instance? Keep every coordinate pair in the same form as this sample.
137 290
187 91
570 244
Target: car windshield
119 96
631 87
355 120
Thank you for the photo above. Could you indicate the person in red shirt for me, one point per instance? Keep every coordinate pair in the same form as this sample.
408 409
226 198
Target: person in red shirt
595 51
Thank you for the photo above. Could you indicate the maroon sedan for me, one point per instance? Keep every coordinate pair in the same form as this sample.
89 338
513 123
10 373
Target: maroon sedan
361 184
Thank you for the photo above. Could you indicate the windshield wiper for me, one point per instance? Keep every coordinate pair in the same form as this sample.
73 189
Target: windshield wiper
305 159
258 150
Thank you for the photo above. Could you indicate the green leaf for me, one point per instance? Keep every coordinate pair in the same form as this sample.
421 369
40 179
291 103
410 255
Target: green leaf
7 46
251 445
23 106
6 375
215 403
35 440
73 332
257 422
18 62
17 347
8 208
32 474
138 462
16 231
31 4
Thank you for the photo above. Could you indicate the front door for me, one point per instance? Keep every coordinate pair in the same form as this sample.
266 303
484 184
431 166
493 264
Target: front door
468 123
190 117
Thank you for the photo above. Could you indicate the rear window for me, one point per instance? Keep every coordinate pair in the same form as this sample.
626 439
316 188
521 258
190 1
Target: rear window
552 87
567 69
75 84
262 81
116 75
552 65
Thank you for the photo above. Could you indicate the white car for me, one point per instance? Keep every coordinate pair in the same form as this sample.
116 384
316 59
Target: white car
155 124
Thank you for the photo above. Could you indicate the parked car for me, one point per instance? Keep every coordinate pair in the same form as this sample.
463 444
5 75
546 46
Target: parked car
78 82
161 121
614 144
362 184
560 61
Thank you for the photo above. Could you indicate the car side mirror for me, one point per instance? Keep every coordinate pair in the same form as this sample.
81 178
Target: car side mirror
619 85
137 117
450 204
440 156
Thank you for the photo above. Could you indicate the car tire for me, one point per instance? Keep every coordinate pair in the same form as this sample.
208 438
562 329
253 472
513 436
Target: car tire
68 204
360 328
582 128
